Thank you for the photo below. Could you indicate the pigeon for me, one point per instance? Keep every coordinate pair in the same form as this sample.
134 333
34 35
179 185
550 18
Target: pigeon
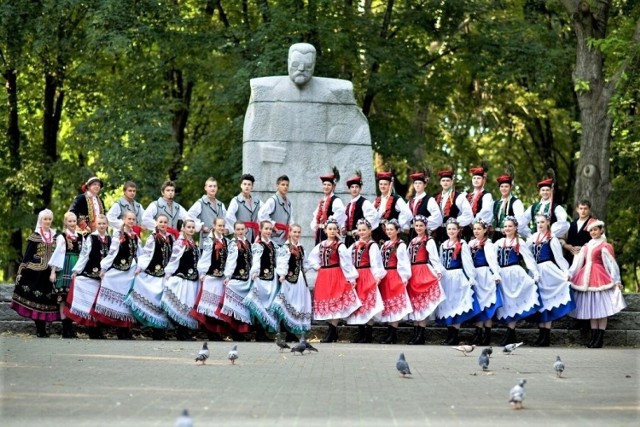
299 348
558 366
517 394
465 349
203 354
483 360
510 348
489 351
281 344
184 420
233 354
402 366
309 347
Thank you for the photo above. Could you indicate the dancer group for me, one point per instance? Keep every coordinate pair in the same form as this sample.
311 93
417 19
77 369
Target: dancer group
449 258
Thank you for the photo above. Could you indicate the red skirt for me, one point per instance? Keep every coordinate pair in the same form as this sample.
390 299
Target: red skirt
425 292
333 295
394 296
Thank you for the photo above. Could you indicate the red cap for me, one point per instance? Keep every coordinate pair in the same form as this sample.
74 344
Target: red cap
384 176
479 171
354 180
418 176
546 183
446 174
505 179
328 178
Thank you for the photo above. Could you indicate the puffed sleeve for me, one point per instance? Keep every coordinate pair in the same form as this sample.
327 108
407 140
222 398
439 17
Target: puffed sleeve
107 261
176 254
267 208
149 216
467 262
232 259
339 212
282 260
562 224
523 219
256 254
465 217
490 254
57 258
230 216
371 214
556 248
184 215
205 259
404 214
435 218
113 216
375 258
529 260
147 252
610 264
194 212
434 257
313 260
346 264
486 213
83 258
314 223
404 264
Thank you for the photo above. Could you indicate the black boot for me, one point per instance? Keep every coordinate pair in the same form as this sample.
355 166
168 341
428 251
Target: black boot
486 338
454 337
392 336
546 339
592 340
476 339
538 342
412 340
158 334
67 329
95 333
261 334
359 338
41 329
332 334
421 337
510 337
449 334
183 334
124 334
368 334
599 341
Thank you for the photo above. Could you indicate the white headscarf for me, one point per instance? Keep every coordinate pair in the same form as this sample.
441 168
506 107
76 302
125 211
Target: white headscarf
42 214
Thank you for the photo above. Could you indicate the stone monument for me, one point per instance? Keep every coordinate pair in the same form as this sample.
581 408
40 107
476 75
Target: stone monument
300 125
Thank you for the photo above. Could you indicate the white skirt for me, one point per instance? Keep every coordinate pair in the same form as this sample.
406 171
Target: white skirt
145 300
260 300
212 295
112 294
519 294
234 294
458 292
485 288
178 299
85 291
598 305
292 306
554 287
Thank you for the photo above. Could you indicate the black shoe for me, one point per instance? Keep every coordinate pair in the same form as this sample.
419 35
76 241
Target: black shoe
510 337
546 338
214 336
41 329
421 336
332 334
392 336
95 333
454 337
359 338
67 329
412 340
125 334
592 340
448 338
368 334
599 341
486 338
183 334
158 334
538 342
476 339
291 337
236 336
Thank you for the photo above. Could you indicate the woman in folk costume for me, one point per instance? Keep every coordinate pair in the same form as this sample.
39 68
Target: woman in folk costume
554 287
595 277
368 261
211 268
86 279
393 287
88 205
145 296
117 272
237 283
519 290
486 289
329 206
458 279
64 258
424 288
33 295
292 305
265 285
334 296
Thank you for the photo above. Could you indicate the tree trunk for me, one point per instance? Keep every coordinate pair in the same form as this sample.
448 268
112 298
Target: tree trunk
181 97
53 103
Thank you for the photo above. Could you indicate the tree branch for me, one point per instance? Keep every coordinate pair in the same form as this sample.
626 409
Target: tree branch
570 5
611 84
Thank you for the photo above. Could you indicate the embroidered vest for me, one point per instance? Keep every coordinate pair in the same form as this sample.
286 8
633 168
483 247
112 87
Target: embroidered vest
188 265
127 252
218 258
161 255
243 262
99 250
267 261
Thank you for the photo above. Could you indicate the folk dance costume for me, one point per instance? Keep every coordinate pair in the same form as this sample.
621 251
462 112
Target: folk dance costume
86 284
145 297
212 265
119 208
33 295
204 212
452 204
87 207
551 209
424 288
245 210
504 207
181 286
519 290
236 271
458 280
174 212
422 204
368 261
64 258
357 209
278 210
481 202
119 268
486 290
265 287
595 276
292 305
329 206
388 207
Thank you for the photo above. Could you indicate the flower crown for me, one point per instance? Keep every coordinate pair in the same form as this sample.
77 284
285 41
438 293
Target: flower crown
394 222
482 222
331 220
452 220
512 219
363 221
420 218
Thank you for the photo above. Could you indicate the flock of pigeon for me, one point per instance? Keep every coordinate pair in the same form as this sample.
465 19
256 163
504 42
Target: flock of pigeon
517 393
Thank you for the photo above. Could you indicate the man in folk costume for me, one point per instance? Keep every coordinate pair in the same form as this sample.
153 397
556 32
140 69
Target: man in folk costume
124 204
452 204
547 206
357 208
88 205
423 204
207 209
329 206
244 207
578 236
279 211
480 200
507 205
389 206
167 206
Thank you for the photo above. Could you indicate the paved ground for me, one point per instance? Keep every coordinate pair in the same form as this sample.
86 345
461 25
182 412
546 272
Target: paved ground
56 382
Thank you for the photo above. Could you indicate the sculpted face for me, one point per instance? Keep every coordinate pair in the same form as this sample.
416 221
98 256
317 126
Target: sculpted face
301 67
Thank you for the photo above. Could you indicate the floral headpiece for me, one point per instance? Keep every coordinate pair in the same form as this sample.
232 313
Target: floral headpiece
363 221
420 218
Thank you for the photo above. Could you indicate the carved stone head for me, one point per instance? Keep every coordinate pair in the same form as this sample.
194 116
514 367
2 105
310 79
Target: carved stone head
302 61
